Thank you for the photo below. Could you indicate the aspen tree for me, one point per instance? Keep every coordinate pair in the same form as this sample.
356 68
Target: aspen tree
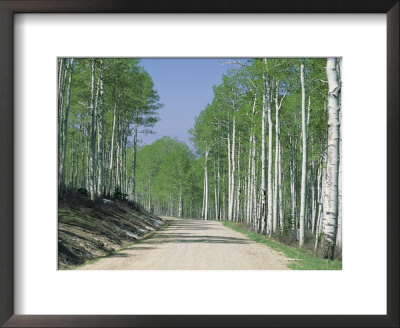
304 157
100 183
278 176
93 133
331 209
269 229
265 97
64 124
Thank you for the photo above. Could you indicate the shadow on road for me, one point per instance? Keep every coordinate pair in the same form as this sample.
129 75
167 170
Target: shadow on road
206 239
173 234
136 248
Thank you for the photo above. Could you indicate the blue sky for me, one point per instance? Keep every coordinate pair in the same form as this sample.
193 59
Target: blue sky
185 88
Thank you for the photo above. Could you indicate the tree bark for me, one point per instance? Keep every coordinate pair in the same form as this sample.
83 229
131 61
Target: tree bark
180 208
304 157
92 135
293 183
112 144
206 186
215 190
253 186
64 127
340 214
135 133
281 215
238 185
218 188
263 142
269 228
331 210
100 182
229 175
231 192
249 182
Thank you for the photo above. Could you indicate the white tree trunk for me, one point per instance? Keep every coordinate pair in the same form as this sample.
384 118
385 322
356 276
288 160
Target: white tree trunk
64 127
206 186
112 145
229 175
293 183
238 185
60 84
180 200
93 134
218 188
232 190
203 202
263 126
275 193
269 228
281 216
340 214
331 209
320 192
278 173
118 156
100 183
223 199
248 187
215 190
149 193
61 95
253 212
135 133
304 159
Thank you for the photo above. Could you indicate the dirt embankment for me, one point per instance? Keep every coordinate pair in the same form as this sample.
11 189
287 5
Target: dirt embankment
87 229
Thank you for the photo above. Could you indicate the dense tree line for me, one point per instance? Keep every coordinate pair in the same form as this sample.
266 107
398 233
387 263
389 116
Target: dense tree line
102 106
267 154
169 177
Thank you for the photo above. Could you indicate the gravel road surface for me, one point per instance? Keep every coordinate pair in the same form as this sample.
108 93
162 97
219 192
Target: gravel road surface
194 245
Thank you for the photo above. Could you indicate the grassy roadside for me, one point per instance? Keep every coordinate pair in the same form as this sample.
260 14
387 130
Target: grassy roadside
305 259
128 245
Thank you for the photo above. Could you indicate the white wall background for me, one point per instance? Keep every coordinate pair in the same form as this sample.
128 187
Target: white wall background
360 288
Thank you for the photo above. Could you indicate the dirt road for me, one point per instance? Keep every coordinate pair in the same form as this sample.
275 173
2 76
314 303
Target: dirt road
194 245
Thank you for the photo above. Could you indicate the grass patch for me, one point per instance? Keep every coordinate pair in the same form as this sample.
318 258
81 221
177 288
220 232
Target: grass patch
306 259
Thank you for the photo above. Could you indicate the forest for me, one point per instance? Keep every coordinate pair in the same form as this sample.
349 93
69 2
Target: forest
266 151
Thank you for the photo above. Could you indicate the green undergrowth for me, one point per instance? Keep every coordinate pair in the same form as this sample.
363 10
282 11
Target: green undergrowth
301 259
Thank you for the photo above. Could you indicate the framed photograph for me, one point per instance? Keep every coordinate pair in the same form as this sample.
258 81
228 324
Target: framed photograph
217 164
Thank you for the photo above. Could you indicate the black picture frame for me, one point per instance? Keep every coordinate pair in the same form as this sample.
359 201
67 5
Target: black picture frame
7 10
